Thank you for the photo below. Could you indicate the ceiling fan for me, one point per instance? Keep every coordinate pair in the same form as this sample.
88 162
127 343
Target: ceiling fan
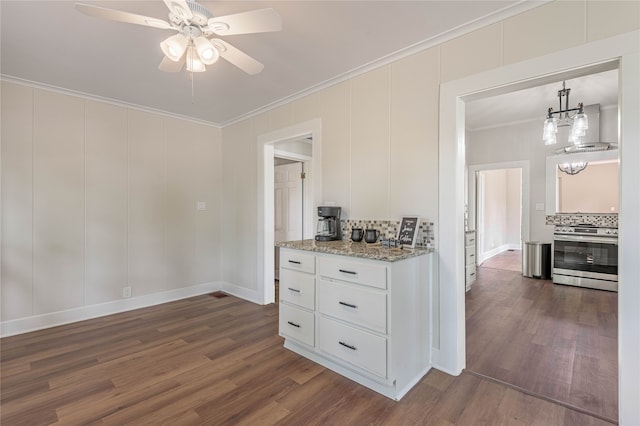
193 44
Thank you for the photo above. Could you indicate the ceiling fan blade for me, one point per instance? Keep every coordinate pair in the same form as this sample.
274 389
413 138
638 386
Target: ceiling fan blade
254 21
180 8
118 15
167 65
237 57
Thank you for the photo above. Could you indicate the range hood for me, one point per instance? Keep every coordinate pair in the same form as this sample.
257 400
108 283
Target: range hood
592 141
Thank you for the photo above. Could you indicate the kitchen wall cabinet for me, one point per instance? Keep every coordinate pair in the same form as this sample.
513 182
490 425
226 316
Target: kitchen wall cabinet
366 319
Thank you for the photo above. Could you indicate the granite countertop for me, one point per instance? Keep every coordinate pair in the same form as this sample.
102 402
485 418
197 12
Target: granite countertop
347 248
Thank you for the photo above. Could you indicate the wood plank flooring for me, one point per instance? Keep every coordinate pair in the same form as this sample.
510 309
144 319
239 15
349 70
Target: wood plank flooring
555 341
510 260
219 361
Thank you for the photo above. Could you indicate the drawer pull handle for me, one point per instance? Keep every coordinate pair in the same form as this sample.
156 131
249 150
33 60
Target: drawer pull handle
471 255
344 271
348 305
293 324
293 289
296 262
472 240
348 346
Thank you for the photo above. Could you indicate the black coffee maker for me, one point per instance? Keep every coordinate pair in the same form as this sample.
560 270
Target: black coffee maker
329 227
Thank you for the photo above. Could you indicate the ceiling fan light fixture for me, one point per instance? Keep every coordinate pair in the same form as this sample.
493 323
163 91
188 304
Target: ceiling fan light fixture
194 64
207 52
174 47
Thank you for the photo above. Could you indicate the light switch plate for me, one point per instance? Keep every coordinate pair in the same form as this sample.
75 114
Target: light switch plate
201 205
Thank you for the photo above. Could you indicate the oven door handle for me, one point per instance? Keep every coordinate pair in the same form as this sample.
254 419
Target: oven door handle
586 239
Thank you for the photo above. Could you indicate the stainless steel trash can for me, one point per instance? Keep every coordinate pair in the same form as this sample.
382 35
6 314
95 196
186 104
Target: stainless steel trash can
536 260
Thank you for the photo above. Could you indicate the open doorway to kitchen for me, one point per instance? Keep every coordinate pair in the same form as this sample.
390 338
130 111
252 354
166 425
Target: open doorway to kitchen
301 144
525 332
623 52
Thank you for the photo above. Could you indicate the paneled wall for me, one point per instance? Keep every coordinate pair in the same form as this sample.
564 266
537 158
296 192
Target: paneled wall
97 197
380 129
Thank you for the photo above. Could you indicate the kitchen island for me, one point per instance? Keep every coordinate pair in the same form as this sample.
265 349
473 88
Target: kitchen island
359 309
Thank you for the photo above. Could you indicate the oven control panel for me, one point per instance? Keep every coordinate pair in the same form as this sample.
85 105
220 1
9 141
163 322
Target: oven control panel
586 230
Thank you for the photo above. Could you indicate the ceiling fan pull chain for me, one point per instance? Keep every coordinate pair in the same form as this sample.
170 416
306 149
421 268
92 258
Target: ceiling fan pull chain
191 76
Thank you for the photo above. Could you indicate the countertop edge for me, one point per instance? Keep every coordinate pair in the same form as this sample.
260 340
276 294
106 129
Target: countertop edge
358 250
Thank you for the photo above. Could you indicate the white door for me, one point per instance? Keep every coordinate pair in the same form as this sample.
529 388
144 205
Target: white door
288 202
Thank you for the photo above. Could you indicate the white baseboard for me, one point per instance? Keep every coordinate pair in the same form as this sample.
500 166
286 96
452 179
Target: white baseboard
436 364
38 322
488 254
242 292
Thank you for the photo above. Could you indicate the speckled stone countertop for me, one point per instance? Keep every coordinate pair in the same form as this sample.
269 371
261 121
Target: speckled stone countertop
347 248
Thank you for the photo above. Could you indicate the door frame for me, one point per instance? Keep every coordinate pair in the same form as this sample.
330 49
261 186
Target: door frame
525 197
623 49
265 215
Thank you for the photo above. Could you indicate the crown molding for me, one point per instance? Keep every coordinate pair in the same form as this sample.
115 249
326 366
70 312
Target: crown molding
115 102
495 17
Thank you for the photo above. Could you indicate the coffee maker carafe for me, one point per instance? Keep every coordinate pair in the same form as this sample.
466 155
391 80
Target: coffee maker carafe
329 228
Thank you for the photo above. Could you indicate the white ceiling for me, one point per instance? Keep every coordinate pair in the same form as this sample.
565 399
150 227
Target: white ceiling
532 103
50 43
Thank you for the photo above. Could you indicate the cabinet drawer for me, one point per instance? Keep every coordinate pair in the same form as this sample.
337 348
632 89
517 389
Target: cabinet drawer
359 305
471 273
298 288
470 239
357 347
470 256
341 268
297 324
293 259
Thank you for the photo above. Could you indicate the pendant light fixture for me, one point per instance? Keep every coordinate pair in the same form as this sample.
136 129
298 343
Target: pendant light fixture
563 117
573 168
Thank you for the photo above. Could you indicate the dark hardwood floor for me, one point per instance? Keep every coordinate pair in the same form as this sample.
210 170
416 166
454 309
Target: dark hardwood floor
216 361
510 260
555 341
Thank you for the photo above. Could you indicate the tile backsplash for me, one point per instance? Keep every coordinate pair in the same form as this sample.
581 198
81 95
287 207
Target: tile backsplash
389 229
609 220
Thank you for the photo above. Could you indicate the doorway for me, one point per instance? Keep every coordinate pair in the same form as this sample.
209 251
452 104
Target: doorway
499 210
623 50
288 201
270 146
499 218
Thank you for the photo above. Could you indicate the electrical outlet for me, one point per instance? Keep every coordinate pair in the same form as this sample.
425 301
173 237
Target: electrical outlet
126 292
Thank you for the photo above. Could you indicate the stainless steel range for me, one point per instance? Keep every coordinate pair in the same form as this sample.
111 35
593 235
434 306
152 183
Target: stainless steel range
586 256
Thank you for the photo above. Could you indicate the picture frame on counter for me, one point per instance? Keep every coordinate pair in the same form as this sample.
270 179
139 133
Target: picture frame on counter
408 231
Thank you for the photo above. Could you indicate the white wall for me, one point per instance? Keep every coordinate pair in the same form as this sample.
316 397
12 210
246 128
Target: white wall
389 117
377 160
97 197
495 210
514 207
521 141
502 213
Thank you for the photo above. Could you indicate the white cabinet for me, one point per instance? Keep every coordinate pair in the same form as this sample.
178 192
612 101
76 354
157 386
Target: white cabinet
371 318
470 258
297 297
359 305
